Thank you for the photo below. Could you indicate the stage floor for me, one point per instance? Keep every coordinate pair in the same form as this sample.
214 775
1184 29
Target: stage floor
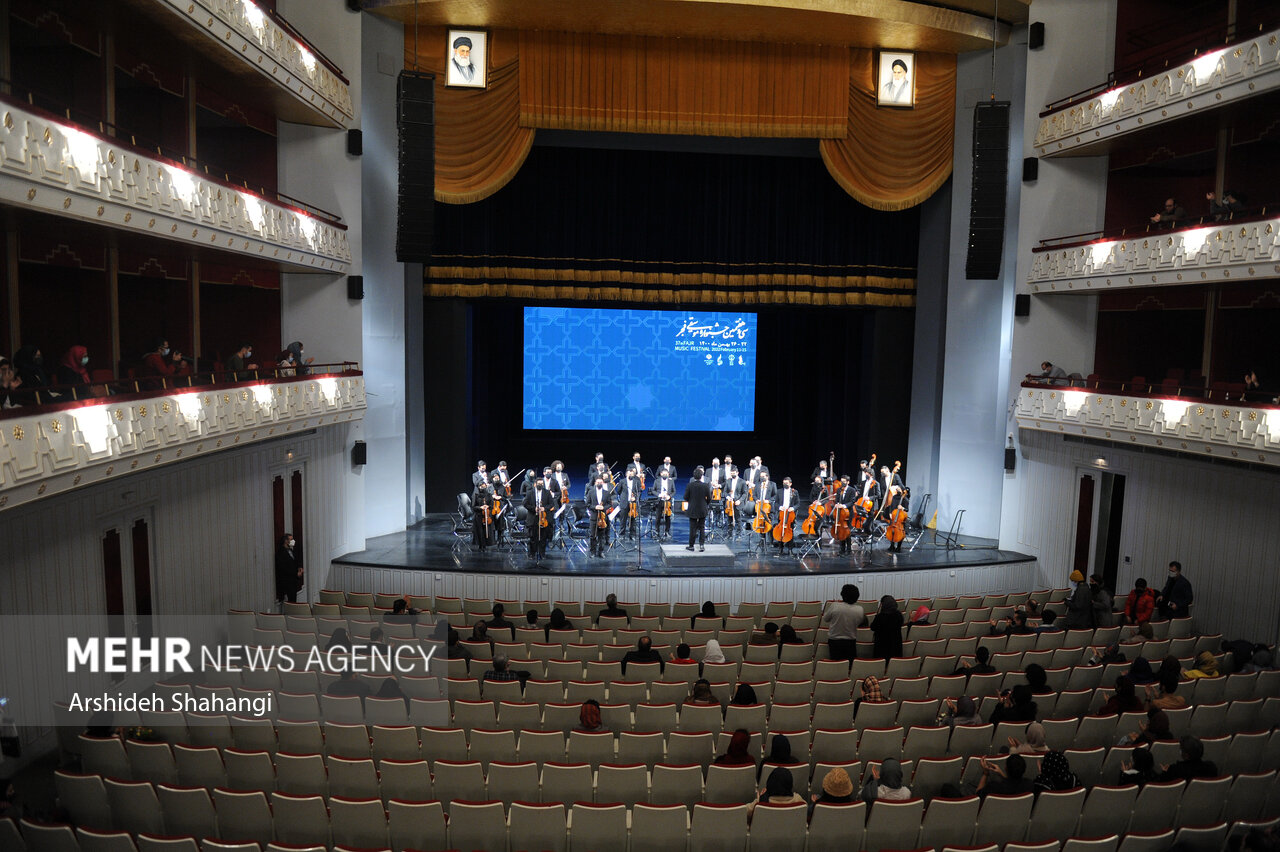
431 546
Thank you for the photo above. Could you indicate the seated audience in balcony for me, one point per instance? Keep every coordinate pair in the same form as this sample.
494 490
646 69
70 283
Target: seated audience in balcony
238 364
1174 600
885 783
1192 764
1140 604
589 718
296 360
28 365
644 653
1170 213
347 684
1166 698
73 369
1034 744
1124 700
1141 770
779 754
1011 625
1016 705
1055 774
701 695
981 664
1206 666
9 384
837 788
1154 729
962 712
1048 623
737 754
1223 209
1011 780
779 789
1251 384
161 361
1055 374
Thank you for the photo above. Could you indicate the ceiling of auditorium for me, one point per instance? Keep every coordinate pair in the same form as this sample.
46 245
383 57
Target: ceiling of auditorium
949 26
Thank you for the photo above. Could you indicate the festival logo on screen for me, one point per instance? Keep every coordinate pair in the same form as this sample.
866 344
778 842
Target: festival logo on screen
721 344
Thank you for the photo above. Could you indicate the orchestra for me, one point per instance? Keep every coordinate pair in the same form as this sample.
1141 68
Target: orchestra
833 514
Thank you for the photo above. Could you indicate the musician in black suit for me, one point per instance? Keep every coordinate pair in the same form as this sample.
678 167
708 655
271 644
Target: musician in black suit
664 488
698 496
788 498
549 482
847 496
483 533
865 472
818 488
599 500
754 470
637 466
821 470
735 491
480 475
560 485
502 475
593 468
539 498
628 492
763 492
669 468
715 475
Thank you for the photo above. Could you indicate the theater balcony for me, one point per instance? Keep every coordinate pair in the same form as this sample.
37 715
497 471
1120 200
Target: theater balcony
54 445
1222 71
1209 424
1240 248
240 46
54 166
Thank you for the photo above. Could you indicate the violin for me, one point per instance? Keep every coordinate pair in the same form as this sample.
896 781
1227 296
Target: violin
602 519
762 524
728 508
542 517
716 492
666 508
782 530
633 509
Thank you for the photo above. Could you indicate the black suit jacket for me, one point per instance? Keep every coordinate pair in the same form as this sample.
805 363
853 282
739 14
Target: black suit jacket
549 501
590 498
698 493
621 490
769 493
656 488
735 489
478 477
669 468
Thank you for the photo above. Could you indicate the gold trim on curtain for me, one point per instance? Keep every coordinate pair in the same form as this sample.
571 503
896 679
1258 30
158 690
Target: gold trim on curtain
638 84
891 159
480 144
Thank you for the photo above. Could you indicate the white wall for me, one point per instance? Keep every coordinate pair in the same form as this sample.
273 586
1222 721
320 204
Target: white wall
1217 520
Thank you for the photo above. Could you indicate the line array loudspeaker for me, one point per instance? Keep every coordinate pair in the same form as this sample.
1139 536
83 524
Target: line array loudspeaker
987 199
415 126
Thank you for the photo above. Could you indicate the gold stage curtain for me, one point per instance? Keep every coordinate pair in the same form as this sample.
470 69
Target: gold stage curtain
480 144
637 84
891 159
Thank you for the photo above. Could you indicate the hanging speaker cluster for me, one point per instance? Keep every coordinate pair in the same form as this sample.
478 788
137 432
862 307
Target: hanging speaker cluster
415 126
987 199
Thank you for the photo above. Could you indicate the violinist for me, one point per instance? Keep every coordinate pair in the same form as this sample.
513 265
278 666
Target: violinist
549 483
715 475
735 494
539 504
788 501
599 500
504 477
629 497
594 468
526 488
483 528
639 468
668 467
480 475
665 490
560 481
499 501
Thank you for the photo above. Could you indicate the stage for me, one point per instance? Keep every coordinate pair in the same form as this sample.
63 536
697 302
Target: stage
431 546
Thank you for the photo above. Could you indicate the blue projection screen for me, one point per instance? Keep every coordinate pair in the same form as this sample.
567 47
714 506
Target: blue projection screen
596 368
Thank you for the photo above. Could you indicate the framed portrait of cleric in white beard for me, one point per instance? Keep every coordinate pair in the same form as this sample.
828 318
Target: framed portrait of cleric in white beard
895 79
468 62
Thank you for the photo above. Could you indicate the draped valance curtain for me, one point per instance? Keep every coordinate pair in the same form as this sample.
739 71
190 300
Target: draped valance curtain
887 159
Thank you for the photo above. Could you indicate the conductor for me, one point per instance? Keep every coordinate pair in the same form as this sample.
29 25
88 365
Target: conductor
698 496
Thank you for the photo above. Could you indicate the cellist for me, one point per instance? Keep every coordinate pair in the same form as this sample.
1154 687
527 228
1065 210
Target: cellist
846 496
599 500
788 501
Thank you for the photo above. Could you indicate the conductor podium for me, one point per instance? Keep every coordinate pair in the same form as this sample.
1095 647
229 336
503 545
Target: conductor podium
676 558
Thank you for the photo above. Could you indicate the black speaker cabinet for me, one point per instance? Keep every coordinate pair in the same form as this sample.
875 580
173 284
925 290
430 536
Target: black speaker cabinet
1030 169
1010 459
1035 35
355 286
986 202
415 126
359 453
1022 305
355 142
355 5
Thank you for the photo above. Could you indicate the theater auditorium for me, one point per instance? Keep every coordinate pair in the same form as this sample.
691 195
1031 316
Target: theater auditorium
515 425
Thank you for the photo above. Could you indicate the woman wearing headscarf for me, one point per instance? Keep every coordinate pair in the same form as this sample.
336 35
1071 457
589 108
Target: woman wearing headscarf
73 368
1142 770
962 711
28 363
837 788
736 754
779 789
787 636
1155 729
298 362
558 621
744 696
1055 774
885 783
871 693
713 652
338 641
701 694
887 629
708 612
779 753
1016 706
1124 700
589 718
1169 665
1035 743
1140 672
1206 666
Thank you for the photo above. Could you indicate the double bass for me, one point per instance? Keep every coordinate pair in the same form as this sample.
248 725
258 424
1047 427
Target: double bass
866 502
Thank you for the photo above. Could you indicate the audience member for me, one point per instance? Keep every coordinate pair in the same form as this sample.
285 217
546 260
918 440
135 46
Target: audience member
885 783
1048 623
779 754
288 572
1192 764
239 364
501 670
1206 666
743 696
1055 374
1012 780
767 636
10 397
160 361
683 654
708 612
779 789
886 629
1141 770
837 788
1174 601
1080 604
1238 653
870 693
299 363
338 641
390 688
440 633
1170 214
531 618
1224 208
644 653
498 621
456 650
1016 705
713 653
1140 673
1167 698
611 608
1262 661
1038 679
961 712
1055 774
1170 665
73 369
736 754
1140 603
346 684
981 663
843 618
1012 625
589 718
558 621
1154 729
1106 654
788 636
1124 700
1251 383
701 694
401 613
28 365
480 633
1035 743
1103 603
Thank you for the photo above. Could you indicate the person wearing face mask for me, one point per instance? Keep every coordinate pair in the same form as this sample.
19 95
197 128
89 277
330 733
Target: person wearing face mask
288 570
239 363
300 361
665 490
73 369
1174 600
28 364
1080 604
161 361
9 384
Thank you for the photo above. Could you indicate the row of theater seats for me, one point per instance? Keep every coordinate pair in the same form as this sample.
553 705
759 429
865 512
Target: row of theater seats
344 767
170 818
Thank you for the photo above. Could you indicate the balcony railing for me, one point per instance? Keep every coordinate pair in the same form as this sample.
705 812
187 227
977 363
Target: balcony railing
1234 249
1208 81
73 443
54 166
1247 432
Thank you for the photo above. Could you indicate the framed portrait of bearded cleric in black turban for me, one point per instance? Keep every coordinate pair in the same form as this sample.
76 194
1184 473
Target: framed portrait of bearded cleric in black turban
468 63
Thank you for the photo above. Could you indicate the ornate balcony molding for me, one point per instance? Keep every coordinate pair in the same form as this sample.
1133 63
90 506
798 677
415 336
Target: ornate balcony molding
1224 251
52 451
1207 82
1234 431
57 168
250 35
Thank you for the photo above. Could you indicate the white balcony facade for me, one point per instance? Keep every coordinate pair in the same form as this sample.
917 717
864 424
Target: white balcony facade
50 450
1238 431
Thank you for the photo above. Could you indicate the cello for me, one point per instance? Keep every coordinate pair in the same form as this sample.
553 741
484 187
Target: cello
897 529
782 530
762 524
